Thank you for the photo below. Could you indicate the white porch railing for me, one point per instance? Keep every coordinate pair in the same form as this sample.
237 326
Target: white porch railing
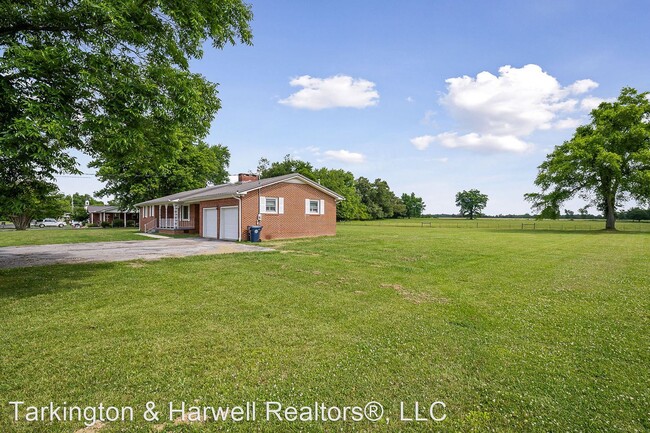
168 223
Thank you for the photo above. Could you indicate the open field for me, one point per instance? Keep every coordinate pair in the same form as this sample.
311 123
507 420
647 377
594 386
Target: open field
67 235
515 331
508 224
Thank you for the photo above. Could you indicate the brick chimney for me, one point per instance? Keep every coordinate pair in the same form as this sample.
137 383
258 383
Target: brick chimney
246 177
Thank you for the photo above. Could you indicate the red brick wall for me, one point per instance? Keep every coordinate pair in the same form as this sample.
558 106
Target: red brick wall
143 220
294 223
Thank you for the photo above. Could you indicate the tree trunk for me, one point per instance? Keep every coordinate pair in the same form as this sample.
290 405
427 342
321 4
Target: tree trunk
610 214
21 222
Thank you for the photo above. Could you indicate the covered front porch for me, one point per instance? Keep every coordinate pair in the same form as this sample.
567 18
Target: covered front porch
176 218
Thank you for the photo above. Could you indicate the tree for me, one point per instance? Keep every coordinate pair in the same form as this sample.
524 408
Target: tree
399 208
102 77
606 162
286 166
471 202
636 214
342 182
379 200
136 177
414 205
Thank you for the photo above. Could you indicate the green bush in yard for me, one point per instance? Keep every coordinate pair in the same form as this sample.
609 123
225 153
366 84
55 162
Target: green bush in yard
118 222
105 224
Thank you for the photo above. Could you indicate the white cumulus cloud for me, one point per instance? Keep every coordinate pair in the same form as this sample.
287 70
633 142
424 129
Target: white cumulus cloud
568 123
345 156
591 102
498 112
422 142
332 92
487 142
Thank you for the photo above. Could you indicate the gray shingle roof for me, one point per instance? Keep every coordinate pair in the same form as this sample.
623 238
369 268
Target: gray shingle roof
106 209
232 189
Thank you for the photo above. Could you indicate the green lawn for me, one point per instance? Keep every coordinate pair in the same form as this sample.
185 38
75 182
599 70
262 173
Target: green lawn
66 235
508 224
515 331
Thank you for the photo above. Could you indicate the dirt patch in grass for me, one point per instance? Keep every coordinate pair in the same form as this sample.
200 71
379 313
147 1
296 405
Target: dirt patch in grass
302 253
415 297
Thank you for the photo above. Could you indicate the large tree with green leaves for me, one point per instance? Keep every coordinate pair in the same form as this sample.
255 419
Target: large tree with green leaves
606 162
102 77
380 201
471 203
342 182
288 165
135 177
414 205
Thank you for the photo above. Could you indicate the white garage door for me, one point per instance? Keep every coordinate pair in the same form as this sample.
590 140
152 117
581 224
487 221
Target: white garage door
229 226
210 223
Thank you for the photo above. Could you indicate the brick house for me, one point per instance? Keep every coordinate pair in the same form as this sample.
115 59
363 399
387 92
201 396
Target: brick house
288 206
99 214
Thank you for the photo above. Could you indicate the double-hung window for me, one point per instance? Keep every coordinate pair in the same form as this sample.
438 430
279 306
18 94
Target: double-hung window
272 205
314 207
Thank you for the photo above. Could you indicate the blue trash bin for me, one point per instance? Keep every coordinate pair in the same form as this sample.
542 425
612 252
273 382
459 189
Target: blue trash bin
254 233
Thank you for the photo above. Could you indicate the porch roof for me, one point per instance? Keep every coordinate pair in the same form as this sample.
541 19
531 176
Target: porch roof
234 189
107 209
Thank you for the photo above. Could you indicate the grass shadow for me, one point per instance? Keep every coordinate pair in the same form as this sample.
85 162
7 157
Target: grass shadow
27 282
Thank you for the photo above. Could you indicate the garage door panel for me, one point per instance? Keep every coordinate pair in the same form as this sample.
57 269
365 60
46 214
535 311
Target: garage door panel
229 225
210 223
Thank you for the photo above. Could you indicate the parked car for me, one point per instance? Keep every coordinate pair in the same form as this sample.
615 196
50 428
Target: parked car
6 225
48 222
76 224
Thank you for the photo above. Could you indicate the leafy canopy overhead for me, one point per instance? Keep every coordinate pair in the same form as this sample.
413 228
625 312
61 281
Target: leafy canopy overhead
102 77
607 162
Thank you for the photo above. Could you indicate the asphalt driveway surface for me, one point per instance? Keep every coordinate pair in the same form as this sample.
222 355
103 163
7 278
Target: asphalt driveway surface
38 255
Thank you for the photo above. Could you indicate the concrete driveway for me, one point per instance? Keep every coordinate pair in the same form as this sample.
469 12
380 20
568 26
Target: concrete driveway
38 255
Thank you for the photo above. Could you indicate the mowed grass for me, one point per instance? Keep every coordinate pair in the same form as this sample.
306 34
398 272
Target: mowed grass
515 331
530 224
66 235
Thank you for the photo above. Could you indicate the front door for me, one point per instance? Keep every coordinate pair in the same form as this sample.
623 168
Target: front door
210 223
229 224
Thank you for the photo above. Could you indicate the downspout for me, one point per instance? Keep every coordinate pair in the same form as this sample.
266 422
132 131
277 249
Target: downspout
239 217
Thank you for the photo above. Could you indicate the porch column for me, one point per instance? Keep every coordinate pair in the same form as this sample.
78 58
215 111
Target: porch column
124 219
175 215
160 216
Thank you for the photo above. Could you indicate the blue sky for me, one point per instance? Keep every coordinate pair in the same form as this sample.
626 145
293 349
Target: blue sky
432 96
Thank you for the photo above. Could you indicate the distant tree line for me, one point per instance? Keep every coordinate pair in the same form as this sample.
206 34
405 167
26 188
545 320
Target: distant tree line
364 199
635 214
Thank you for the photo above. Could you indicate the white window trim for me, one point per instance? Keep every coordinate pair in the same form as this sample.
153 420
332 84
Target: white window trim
277 205
320 209
188 212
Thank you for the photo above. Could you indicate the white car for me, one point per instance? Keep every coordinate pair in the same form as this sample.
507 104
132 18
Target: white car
49 222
